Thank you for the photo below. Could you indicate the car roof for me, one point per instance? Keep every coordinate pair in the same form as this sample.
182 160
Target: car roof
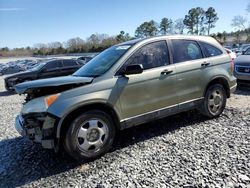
190 37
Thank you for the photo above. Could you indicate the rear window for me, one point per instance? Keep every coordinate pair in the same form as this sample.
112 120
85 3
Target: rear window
210 51
186 50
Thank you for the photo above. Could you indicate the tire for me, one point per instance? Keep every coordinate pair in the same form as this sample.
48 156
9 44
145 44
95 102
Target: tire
214 101
89 136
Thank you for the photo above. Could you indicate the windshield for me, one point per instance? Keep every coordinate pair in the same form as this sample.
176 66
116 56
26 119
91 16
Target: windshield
102 62
247 52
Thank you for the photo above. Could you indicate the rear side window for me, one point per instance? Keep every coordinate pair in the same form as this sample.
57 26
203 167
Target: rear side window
210 50
69 63
151 55
185 50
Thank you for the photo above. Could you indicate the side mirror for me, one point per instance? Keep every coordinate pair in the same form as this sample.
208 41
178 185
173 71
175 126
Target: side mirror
133 69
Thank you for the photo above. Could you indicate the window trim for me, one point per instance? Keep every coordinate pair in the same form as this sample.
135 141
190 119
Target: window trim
118 72
204 50
195 41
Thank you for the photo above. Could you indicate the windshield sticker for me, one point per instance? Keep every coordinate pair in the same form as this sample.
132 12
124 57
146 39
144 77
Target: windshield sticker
125 47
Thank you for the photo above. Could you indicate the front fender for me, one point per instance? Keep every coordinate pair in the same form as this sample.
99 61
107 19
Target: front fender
81 106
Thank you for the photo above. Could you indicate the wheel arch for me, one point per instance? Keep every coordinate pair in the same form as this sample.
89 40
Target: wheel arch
105 107
219 80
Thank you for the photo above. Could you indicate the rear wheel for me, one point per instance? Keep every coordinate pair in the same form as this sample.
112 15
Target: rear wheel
214 102
89 136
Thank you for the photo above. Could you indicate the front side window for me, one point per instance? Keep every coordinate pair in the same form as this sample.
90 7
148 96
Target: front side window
185 50
69 63
247 52
151 55
53 65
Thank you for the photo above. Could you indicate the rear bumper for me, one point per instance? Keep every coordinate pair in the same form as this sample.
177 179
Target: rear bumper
233 88
38 127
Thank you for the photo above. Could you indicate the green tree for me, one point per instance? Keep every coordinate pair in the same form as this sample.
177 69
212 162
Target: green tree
122 37
166 26
5 49
194 21
147 29
219 36
210 19
237 37
224 36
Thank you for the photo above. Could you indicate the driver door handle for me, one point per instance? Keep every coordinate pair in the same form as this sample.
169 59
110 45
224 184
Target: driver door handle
166 71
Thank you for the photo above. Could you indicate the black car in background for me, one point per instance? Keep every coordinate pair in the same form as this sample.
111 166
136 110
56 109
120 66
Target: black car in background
53 68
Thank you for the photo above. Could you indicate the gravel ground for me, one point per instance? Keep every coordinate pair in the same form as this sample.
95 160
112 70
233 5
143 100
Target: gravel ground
185 150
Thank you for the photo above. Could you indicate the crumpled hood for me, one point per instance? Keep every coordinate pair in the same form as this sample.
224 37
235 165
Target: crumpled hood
18 74
52 82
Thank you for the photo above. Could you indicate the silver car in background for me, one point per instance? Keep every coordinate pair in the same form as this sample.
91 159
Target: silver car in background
242 68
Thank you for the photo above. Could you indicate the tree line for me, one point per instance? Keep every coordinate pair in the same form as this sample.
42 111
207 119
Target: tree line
197 21
94 43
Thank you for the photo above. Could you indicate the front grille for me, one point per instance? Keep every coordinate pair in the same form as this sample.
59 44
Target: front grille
243 69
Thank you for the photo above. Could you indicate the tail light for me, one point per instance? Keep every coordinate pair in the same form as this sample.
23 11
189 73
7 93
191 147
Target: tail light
231 65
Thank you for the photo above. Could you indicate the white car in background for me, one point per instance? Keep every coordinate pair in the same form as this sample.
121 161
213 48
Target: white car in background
231 53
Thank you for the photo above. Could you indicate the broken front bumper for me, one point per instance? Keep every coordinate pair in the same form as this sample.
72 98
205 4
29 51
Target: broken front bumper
39 127
9 84
19 125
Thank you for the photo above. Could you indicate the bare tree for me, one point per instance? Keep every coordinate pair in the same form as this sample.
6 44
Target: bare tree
240 23
75 44
55 45
179 26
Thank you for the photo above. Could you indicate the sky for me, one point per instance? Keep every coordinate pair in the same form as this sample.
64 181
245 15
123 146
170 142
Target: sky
27 22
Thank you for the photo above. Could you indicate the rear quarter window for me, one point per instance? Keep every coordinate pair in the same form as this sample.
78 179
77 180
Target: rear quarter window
210 50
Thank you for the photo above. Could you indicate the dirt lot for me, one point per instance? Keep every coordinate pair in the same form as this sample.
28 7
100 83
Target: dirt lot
185 150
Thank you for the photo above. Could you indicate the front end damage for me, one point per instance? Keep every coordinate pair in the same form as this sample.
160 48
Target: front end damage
38 127
34 121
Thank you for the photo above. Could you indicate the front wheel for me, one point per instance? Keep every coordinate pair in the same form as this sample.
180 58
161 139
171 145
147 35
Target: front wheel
214 101
89 136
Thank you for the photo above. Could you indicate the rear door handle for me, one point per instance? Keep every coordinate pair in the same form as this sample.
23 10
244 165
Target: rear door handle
205 64
164 72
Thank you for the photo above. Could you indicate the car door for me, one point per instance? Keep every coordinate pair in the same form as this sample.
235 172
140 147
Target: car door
191 69
153 90
69 66
51 69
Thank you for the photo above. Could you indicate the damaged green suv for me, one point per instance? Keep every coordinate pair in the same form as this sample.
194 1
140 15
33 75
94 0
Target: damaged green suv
126 85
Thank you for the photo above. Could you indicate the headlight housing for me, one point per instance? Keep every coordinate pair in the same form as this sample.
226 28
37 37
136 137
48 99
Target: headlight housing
40 104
